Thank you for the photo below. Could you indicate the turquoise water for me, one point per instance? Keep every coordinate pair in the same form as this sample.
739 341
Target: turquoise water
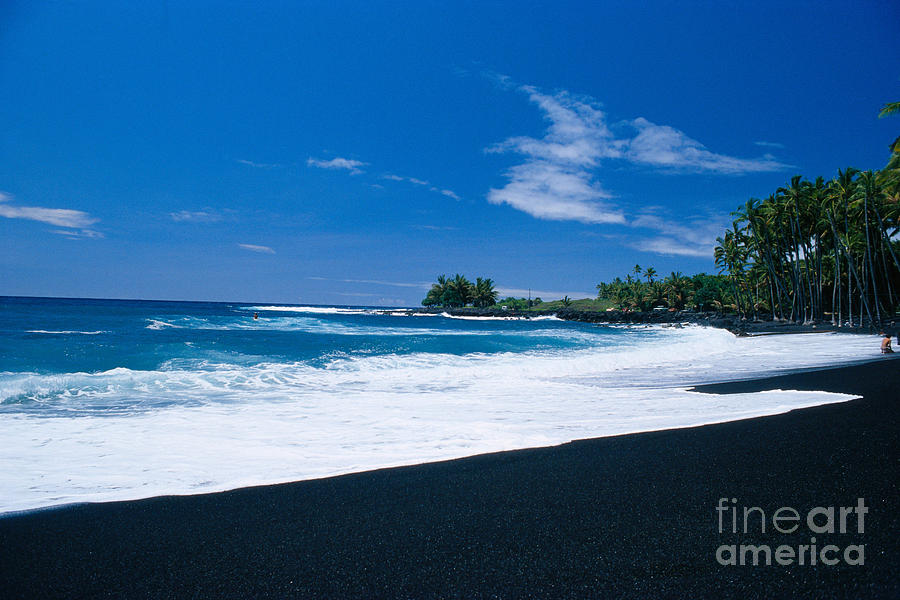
108 399
50 335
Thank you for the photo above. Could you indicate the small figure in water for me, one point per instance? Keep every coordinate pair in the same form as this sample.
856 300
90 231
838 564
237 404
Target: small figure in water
255 316
886 344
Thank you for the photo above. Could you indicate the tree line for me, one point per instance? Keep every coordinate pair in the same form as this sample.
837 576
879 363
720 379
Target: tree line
457 291
677 291
817 249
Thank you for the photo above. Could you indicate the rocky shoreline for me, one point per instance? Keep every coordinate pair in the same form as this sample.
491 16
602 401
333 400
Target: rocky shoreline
733 323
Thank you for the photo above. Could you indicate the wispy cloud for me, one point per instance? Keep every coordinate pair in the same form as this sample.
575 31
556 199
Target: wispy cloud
346 164
196 216
423 183
558 178
61 217
448 193
258 165
355 294
255 248
694 236
78 234
542 294
412 180
417 285
668 148
436 227
769 144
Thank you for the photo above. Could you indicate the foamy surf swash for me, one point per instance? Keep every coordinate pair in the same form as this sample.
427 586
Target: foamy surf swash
111 400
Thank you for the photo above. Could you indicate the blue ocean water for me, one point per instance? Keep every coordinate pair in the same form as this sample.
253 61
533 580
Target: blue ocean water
63 335
115 399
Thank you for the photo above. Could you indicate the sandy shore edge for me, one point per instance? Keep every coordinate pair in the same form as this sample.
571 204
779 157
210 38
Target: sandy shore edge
630 515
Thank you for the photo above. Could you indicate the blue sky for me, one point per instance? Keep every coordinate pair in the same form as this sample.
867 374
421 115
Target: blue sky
349 152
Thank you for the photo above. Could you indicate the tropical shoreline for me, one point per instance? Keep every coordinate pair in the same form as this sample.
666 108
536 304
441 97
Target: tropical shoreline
629 515
733 323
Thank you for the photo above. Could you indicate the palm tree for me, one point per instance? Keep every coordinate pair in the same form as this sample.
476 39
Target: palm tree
678 290
484 292
436 293
655 294
650 273
889 109
459 291
892 108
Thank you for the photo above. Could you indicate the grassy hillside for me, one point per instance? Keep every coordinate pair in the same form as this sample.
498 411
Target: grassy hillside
585 304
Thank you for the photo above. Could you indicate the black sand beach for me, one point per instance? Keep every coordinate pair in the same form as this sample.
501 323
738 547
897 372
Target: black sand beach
628 516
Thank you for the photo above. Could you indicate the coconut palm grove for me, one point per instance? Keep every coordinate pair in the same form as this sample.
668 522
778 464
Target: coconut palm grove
812 250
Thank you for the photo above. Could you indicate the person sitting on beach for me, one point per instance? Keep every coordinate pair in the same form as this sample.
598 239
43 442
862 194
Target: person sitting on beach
886 344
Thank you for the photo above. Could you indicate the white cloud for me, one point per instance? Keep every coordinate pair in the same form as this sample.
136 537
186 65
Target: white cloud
666 147
542 294
448 193
769 144
257 165
197 216
418 285
347 164
355 294
557 179
555 192
61 217
421 182
75 234
255 248
695 236
437 227
412 180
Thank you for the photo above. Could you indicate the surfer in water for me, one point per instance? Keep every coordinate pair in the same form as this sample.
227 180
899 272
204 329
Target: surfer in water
255 316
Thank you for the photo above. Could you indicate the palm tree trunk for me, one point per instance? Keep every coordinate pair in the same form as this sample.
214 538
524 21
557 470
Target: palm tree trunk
772 298
863 300
836 290
869 253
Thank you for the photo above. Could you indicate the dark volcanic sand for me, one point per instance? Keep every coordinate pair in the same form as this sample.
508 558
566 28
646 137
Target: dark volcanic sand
622 516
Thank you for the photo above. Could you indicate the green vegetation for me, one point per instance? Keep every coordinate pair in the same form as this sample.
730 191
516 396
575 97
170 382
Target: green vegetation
816 248
700 292
583 305
459 292
518 303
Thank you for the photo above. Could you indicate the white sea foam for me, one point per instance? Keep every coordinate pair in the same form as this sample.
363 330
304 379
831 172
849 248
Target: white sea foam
318 310
65 332
192 427
313 324
157 324
447 315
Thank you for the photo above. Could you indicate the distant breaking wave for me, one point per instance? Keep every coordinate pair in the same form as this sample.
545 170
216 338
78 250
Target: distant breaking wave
197 397
155 324
65 332
316 310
